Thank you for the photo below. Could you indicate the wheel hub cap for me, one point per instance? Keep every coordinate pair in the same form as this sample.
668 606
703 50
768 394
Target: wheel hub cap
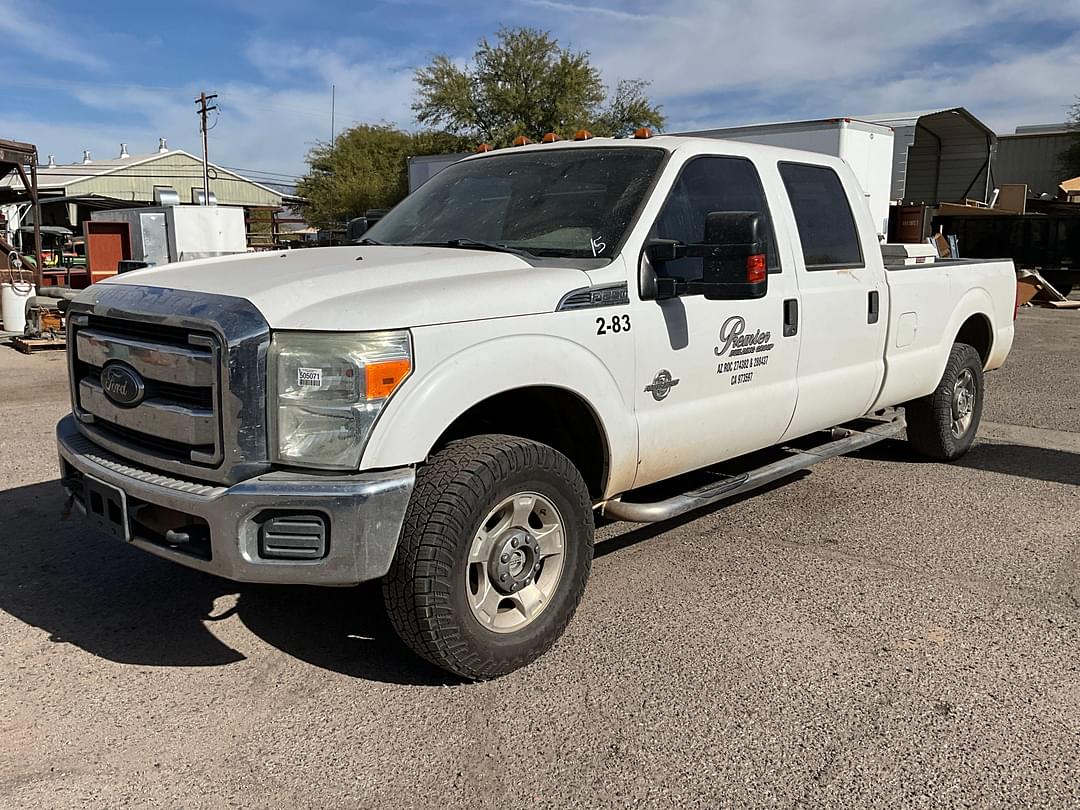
514 561
963 403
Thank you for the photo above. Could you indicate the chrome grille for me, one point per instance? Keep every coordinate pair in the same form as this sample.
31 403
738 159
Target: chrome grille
177 418
202 358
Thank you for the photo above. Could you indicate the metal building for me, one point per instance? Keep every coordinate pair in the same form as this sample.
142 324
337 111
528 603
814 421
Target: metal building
76 189
1032 156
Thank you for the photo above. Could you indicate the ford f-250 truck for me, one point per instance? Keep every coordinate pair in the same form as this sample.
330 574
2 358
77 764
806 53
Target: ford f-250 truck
529 340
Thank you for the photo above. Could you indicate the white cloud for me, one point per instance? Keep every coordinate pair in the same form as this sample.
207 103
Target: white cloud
711 62
836 57
52 42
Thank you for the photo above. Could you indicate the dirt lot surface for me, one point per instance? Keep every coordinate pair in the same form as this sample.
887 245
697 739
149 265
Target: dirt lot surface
880 631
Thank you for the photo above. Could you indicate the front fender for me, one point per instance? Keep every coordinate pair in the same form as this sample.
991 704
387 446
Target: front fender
427 405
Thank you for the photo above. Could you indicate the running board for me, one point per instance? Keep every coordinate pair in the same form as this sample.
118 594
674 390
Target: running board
844 440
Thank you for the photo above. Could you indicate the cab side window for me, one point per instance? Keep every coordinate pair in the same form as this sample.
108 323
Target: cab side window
826 225
708 184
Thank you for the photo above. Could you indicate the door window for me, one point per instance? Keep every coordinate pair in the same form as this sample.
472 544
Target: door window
708 184
826 226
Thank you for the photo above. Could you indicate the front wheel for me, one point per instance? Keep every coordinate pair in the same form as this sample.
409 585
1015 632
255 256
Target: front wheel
943 424
494 555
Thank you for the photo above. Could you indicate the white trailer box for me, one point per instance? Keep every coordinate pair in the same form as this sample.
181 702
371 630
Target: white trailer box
174 233
867 148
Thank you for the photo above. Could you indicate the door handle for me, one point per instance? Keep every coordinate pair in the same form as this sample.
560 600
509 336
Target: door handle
791 317
873 309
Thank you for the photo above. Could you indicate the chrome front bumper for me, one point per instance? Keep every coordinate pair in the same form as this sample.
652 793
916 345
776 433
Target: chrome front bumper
363 514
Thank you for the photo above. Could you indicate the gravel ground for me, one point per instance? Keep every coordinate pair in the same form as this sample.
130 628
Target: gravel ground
878 632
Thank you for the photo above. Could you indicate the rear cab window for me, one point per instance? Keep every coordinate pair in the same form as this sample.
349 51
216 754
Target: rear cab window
827 231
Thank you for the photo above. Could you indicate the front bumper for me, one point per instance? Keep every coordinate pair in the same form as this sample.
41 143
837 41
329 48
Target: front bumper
363 515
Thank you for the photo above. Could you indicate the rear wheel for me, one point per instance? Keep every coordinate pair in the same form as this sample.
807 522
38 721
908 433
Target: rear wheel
943 424
494 555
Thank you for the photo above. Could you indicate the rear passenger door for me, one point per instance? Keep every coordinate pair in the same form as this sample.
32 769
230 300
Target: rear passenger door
715 378
843 295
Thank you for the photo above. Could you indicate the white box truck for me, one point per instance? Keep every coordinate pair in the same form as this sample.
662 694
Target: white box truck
867 148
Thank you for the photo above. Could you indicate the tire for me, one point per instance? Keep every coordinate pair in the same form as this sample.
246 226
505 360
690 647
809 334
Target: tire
943 424
472 536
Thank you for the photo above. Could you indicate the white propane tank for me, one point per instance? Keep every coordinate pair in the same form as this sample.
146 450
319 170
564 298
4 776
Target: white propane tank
15 291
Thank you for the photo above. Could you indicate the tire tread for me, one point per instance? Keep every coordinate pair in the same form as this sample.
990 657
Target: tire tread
448 489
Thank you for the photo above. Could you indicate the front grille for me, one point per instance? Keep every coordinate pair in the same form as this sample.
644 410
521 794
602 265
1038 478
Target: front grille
177 418
197 364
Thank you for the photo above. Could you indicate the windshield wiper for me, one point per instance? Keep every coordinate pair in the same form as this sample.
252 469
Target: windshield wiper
476 244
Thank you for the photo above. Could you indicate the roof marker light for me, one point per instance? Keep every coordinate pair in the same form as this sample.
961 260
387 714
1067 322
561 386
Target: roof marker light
582 135
549 137
642 132
484 147
522 140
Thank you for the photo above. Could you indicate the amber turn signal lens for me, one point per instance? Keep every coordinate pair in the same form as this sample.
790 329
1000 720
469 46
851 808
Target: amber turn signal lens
642 132
521 140
549 137
384 376
755 268
484 147
582 135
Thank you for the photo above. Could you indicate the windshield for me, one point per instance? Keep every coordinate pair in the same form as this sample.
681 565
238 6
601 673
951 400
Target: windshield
574 203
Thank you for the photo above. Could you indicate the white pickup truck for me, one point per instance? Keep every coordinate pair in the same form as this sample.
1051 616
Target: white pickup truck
526 342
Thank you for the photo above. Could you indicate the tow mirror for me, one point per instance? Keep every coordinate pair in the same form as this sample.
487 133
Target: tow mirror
734 264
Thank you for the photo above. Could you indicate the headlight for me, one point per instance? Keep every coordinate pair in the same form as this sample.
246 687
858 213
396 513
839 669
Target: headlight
329 389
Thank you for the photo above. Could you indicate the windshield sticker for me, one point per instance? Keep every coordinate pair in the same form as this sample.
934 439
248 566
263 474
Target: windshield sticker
309 377
598 245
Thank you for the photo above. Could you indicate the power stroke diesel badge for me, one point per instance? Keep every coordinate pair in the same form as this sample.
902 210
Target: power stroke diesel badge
661 385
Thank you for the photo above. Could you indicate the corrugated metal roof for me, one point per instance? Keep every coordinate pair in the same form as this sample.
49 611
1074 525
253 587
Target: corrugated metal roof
64 175
910 119
1042 129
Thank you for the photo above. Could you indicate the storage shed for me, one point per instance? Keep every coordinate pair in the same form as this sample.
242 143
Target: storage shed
941 155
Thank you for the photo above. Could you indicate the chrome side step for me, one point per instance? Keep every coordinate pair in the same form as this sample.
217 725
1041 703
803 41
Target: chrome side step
844 440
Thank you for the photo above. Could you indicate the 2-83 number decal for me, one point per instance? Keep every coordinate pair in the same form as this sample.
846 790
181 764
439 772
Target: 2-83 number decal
616 323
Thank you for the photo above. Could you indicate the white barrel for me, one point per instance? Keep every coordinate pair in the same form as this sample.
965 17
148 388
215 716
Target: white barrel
13 299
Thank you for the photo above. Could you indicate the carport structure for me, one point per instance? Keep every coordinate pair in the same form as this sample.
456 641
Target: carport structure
16 156
941 155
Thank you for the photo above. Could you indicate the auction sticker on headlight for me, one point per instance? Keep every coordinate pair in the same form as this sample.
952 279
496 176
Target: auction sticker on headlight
309 377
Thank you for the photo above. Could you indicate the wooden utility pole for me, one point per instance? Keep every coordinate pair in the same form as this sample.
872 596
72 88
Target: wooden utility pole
203 110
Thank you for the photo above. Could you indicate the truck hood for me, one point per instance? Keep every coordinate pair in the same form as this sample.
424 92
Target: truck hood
371 288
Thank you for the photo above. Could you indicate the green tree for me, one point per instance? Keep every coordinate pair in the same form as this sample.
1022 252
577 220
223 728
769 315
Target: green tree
1069 159
524 83
365 167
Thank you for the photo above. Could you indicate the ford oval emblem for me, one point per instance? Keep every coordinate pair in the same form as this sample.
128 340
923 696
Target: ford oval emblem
122 384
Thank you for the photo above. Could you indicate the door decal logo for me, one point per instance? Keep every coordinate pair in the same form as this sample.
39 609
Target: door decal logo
661 385
733 338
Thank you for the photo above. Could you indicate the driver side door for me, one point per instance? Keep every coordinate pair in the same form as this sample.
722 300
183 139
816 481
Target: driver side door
715 379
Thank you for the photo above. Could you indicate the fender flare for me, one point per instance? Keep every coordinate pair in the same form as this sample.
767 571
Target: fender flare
976 301
419 413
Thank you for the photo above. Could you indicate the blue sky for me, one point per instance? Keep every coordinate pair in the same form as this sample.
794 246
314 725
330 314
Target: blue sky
90 75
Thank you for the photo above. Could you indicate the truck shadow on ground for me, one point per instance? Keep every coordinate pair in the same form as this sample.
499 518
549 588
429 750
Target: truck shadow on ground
1038 463
127 606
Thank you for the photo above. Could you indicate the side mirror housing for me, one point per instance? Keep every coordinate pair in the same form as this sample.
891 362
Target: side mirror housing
735 265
